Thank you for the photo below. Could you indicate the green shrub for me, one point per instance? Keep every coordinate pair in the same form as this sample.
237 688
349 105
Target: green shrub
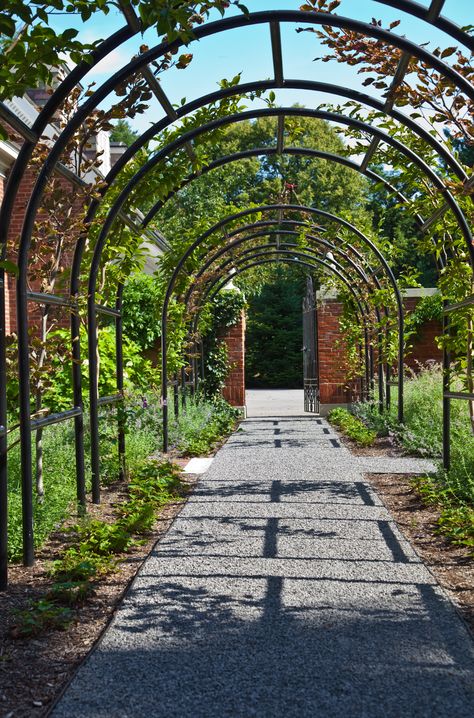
204 423
59 486
352 427
421 433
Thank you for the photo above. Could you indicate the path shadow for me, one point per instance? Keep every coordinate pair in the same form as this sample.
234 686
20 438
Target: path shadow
204 647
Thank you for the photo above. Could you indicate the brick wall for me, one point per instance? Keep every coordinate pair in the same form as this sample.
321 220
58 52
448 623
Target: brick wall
334 387
34 309
234 390
424 344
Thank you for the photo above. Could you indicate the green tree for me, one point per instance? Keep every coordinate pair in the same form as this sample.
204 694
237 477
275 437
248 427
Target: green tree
123 132
393 223
274 328
274 336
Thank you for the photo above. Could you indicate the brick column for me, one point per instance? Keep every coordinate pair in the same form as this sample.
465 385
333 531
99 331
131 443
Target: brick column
334 387
234 389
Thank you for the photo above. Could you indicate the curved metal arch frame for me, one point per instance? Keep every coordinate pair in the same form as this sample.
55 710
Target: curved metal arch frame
274 151
376 132
23 327
318 242
315 240
265 233
258 210
209 29
295 251
23 261
297 208
31 208
280 230
270 232
312 264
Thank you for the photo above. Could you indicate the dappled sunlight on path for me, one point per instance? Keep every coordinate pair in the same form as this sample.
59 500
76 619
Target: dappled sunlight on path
282 589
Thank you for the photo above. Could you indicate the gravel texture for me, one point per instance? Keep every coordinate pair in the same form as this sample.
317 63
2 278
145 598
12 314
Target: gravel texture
282 589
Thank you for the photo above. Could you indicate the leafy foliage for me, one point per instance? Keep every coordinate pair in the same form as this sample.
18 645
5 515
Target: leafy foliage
204 423
94 546
224 311
142 300
353 427
274 336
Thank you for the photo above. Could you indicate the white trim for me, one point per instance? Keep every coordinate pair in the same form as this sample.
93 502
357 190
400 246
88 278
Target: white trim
325 295
8 154
419 292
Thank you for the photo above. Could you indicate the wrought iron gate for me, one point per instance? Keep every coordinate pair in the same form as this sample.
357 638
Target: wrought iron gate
310 350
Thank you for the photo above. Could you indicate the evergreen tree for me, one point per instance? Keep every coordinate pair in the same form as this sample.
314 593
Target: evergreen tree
123 132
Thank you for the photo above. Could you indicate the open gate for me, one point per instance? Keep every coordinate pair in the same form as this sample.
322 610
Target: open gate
310 350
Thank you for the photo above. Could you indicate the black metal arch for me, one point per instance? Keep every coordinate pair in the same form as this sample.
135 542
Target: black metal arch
318 242
33 135
219 225
275 151
281 225
301 209
261 258
377 133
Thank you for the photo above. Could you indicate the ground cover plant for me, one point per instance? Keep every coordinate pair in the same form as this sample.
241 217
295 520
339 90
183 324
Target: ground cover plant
352 427
95 547
202 424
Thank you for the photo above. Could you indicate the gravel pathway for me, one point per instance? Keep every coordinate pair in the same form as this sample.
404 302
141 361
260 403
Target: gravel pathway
282 589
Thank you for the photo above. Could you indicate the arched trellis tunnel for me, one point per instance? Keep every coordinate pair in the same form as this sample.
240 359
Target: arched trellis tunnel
108 207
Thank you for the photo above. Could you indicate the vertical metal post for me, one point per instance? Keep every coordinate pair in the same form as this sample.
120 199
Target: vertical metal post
401 356
446 388
25 410
195 370
164 379
3 445
371 369
176 397
203 372
367 364
77 397
380 370
183 388
93 397
388 372
119 377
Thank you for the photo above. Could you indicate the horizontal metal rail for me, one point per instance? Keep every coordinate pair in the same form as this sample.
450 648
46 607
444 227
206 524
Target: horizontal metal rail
43 298
55 418
469 301
110 311
112 399
458 395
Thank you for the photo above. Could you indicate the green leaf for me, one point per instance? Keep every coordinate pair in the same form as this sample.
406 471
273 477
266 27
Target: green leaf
9 267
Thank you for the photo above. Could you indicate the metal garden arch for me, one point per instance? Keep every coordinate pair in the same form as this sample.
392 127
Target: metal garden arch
33 134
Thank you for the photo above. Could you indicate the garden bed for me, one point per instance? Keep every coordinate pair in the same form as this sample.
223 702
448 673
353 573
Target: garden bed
51 658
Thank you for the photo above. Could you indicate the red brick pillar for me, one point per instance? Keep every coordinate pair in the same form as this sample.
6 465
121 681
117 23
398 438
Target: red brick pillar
234 389
334 387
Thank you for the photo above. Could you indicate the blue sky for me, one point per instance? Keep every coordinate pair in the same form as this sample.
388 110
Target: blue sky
248 51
